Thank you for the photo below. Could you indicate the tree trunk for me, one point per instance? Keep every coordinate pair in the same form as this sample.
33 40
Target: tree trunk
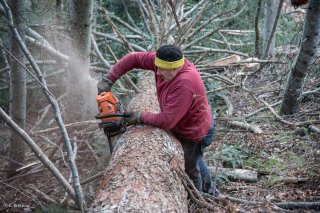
81 89
307 55
269 19
142 175
18 91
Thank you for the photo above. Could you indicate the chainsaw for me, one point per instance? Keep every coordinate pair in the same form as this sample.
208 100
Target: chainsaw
110 113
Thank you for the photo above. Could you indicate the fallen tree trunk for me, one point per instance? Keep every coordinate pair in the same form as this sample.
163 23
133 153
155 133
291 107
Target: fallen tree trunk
143 172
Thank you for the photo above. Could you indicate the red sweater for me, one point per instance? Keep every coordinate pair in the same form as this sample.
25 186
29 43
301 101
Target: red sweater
183 102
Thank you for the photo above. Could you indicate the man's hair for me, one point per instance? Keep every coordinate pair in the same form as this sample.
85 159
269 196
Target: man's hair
169 53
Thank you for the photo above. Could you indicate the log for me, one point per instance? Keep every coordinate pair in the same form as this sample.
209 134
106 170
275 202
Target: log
142 175
237 174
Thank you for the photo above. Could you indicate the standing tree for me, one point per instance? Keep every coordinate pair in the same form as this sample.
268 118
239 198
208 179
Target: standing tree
79 91
270 11
307 55
18 91
271 17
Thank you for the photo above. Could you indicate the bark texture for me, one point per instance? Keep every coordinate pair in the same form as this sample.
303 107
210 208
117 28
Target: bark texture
269 20
142 175
81 88
307 55
18 91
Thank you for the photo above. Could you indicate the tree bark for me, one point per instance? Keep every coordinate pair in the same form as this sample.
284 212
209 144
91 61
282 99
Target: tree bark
18 91
307 55
143 172
81 89
269 21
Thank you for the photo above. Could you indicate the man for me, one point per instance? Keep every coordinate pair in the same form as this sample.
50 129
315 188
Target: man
184 107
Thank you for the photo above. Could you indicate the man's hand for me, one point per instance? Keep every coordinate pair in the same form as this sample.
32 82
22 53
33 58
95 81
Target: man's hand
104 85
132 117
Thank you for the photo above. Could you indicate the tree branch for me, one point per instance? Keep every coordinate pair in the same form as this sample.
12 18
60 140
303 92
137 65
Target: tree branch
38 153
79 196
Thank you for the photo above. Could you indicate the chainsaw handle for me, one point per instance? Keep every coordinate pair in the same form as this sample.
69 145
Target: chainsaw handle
111 116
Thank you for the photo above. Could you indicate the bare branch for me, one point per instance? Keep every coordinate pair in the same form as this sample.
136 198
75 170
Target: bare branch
55 106
245 125
134 46
38 153
96 48
206 49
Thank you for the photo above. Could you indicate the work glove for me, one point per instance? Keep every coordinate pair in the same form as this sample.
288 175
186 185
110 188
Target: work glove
132 117
104 85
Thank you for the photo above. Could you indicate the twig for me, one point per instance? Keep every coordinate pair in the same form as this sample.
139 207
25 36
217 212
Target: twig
187 182
278 117
228 103
299 205
48 48
188 13
54 149
39 154
116 59
11 160
44 113
126 43
128 26
241 201
276 104
76 124
24 175
189 26
208 21
225 41
41 194
193 42
96 48
134 46
212 50
128 15
57 147
40 41
143 12
154 25
25 193
92 178
254 60
92 151
27 166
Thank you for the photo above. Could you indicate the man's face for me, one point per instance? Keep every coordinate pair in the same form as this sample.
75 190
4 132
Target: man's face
168 74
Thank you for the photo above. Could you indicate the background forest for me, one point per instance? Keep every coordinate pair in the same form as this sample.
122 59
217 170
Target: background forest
259 61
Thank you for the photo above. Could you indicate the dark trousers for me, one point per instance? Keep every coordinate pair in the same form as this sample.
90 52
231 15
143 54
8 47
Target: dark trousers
195 166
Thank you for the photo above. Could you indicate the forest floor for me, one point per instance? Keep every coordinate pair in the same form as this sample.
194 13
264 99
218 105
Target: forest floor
285 157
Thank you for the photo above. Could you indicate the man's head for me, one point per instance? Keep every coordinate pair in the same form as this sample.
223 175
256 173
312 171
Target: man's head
169 61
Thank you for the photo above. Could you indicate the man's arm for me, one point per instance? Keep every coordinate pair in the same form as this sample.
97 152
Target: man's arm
142 60
135 60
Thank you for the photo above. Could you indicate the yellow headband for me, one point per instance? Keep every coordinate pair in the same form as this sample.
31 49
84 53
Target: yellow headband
168 64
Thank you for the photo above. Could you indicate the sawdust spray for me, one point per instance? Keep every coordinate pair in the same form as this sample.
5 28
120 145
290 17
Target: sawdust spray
81 90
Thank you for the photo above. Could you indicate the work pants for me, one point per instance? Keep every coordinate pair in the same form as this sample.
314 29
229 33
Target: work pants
195 166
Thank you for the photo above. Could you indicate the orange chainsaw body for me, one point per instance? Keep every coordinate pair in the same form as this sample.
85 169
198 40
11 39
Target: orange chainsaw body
108 104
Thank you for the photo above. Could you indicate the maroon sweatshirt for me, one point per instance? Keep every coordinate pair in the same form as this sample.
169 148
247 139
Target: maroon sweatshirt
183 102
